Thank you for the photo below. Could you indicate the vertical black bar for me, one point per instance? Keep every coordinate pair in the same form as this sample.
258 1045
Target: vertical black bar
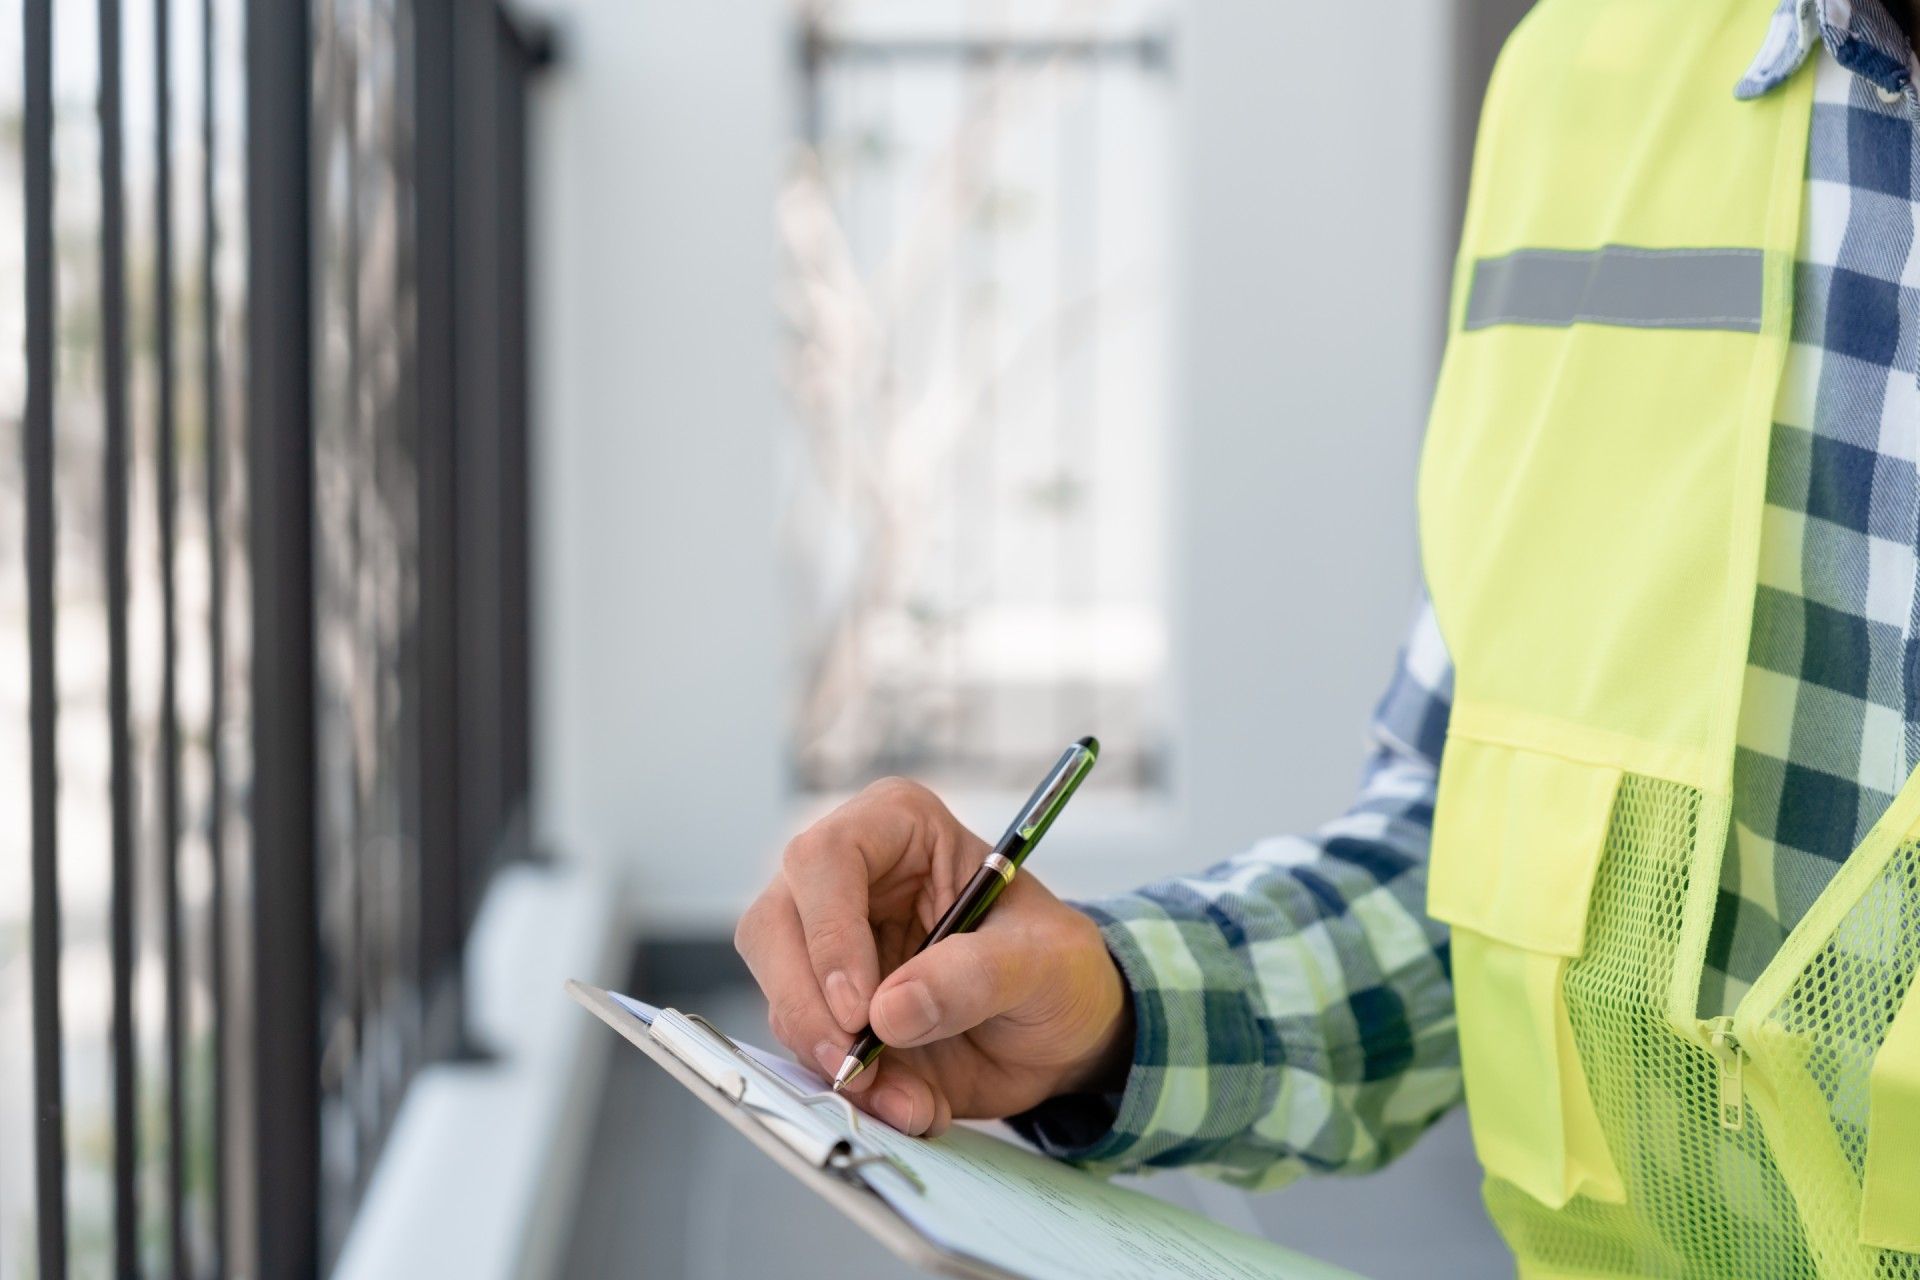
113 348
403 905
167 480
477 440
441 743
37 148
517 60
214 436
347 852
280 513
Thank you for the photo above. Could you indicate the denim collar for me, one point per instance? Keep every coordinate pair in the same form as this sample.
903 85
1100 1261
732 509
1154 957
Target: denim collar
1860 34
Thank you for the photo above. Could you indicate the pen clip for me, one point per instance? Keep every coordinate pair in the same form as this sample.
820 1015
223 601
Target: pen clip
1045 802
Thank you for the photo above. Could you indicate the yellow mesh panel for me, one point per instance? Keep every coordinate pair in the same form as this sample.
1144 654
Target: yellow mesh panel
1819 1044
1704 1201
1701 1201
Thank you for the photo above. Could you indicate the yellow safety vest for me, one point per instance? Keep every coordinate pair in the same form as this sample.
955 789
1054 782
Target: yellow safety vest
1590 497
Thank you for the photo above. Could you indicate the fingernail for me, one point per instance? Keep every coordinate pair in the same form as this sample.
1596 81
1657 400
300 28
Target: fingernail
828 1055
844 1000
911 1012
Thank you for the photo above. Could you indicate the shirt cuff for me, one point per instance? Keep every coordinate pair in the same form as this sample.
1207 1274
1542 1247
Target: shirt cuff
1198 1073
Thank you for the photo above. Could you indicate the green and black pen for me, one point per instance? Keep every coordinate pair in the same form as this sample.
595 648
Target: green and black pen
995 874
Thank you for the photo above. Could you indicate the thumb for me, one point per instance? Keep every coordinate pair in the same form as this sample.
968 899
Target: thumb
954 986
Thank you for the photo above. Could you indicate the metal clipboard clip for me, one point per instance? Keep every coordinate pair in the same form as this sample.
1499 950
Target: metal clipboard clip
821 1144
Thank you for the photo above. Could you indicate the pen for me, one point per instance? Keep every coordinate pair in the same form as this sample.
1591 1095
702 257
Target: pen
994 875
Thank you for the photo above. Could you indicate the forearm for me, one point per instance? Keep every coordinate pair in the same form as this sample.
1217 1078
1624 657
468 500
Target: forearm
1293 1009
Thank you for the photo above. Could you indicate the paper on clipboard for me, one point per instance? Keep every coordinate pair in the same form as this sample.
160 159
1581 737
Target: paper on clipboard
1007 1207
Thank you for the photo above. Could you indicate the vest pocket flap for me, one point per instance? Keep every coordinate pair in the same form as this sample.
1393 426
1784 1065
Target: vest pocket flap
1532 1113
1890 1187
1516 842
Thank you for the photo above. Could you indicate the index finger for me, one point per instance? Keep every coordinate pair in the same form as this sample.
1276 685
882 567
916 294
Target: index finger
829 868
769 940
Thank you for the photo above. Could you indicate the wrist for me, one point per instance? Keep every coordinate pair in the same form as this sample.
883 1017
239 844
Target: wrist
1104 1068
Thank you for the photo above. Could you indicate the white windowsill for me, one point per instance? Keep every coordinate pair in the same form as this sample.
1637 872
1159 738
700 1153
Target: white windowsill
478 1176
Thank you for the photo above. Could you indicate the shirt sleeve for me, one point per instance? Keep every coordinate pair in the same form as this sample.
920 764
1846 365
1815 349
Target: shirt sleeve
1293 1005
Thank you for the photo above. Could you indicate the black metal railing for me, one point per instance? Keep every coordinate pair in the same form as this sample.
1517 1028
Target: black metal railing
263 604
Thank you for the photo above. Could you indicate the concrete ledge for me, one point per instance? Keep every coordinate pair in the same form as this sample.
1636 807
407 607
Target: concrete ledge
481 1170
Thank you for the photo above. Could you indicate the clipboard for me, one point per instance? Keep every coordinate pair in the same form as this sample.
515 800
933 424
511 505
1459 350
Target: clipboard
833 1167
969 1204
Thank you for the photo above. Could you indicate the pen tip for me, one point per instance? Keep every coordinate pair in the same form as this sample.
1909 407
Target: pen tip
1091 745
849 1068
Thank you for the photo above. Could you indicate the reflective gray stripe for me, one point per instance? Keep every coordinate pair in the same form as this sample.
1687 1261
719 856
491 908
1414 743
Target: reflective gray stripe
1617 284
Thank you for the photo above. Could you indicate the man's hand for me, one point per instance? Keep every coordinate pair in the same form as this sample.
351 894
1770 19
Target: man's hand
1025 1008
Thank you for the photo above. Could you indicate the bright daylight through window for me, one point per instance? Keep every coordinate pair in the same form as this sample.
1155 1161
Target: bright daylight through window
974 236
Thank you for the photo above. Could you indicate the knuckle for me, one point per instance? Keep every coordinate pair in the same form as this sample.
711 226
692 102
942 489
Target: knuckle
786 1034
789 1016
751 926
806 850
899 791
835 934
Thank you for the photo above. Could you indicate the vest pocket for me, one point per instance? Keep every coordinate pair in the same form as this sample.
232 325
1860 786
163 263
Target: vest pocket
1516 845
1890 1186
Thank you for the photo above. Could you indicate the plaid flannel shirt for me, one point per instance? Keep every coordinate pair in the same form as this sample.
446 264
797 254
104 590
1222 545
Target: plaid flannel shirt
1294 1006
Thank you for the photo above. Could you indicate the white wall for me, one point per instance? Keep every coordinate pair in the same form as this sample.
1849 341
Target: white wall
657 146
1313 295
1311 212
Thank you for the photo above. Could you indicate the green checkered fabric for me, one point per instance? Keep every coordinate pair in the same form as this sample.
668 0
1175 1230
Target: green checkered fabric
1830 721
1293 1005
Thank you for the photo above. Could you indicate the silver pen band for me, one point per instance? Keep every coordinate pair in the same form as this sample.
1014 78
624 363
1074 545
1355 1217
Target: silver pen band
1003 865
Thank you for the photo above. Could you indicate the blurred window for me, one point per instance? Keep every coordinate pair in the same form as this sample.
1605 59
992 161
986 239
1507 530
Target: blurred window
975 233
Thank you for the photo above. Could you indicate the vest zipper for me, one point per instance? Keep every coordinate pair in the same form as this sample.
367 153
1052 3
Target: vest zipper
1733 1060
